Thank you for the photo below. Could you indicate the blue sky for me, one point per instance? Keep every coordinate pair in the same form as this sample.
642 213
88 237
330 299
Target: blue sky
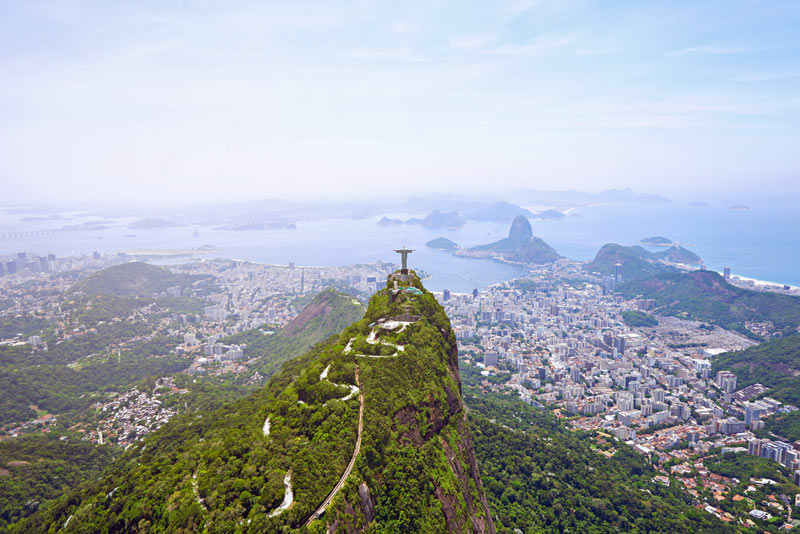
192 101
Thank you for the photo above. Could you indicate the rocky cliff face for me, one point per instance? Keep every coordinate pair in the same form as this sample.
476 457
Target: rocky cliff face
520 228
521 246
366 432
325 311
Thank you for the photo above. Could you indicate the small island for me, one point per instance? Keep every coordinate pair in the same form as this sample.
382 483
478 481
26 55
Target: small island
657 241
549 214
739 207
442 243
386 221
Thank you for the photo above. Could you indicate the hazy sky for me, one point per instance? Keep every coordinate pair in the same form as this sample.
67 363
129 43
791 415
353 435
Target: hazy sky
182 101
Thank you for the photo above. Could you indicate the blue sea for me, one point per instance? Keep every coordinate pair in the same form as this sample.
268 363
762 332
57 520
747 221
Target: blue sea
761 243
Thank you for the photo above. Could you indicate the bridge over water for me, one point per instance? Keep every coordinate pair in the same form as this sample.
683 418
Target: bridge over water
36 233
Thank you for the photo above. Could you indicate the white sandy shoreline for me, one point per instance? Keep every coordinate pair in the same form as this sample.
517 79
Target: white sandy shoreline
762 283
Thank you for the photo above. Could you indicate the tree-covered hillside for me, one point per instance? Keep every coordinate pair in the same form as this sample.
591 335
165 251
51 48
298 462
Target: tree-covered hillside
637 263
786 425
74 374
706 296
328 313
134 279
774 363
678 254
34 469
638 319
56 389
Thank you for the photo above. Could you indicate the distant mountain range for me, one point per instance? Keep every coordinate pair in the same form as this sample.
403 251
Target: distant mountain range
576 198
277 213
496 211
435 219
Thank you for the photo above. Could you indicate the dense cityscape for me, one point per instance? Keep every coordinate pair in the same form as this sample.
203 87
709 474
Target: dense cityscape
562 342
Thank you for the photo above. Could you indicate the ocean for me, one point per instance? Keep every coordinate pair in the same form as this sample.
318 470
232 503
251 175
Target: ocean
761 243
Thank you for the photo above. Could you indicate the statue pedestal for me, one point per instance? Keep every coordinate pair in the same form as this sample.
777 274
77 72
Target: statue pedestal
401 276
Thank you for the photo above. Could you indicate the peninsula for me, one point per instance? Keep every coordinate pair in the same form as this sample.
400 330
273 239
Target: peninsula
520 246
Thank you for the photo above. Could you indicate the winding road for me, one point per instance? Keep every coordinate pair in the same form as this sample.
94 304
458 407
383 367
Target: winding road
339 485
288 496
372 339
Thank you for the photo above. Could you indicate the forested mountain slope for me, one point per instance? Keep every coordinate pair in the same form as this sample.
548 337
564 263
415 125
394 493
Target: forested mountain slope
366 430
637 262
39 467
135 279
774 363
328 312
706 296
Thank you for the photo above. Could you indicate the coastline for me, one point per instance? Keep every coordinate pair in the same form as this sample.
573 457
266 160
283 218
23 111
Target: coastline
761 283
170 252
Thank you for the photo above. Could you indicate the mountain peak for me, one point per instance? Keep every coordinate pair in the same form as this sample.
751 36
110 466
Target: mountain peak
520 245
520 228
366 431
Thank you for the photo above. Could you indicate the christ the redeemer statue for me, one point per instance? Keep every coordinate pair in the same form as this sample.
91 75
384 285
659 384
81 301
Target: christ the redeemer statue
404 252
